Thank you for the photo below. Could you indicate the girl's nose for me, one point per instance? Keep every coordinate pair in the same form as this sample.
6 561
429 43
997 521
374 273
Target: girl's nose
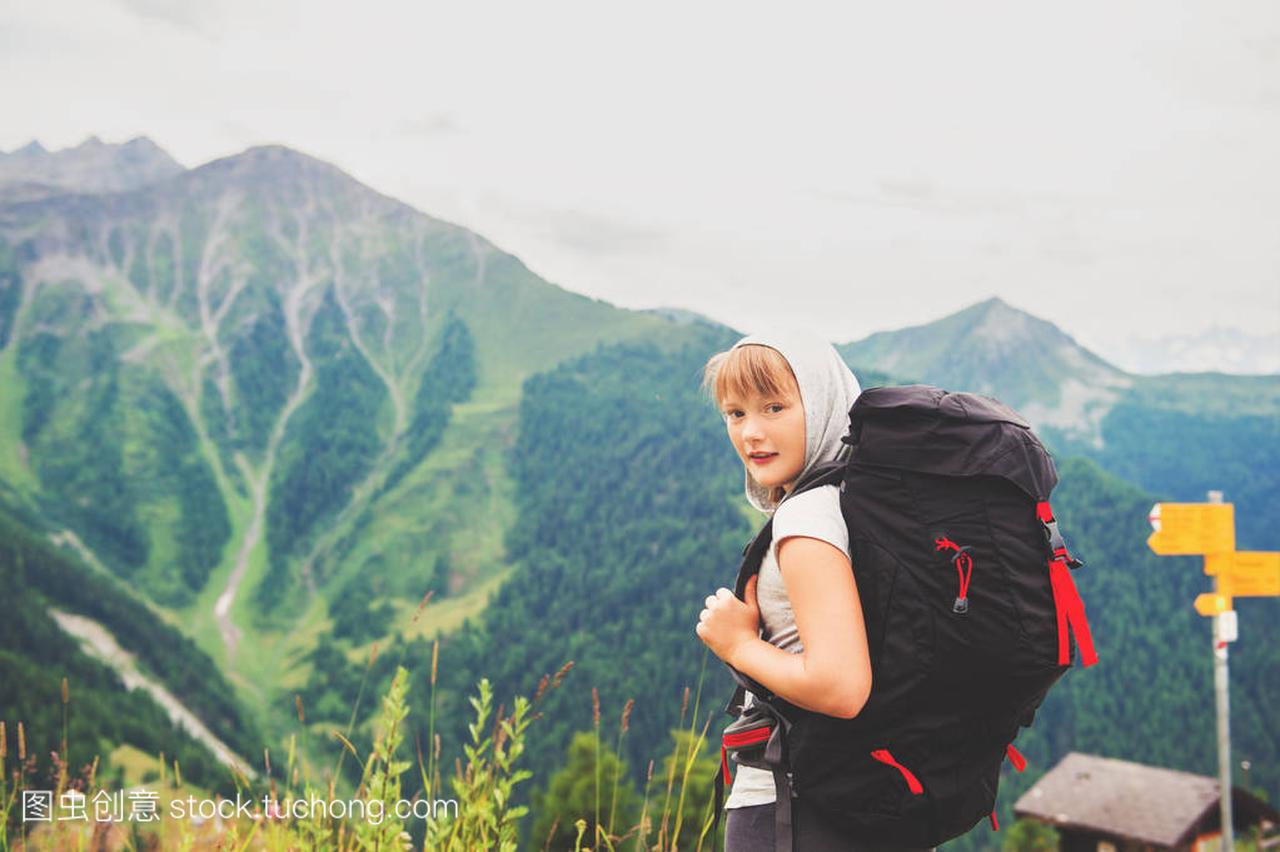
751 428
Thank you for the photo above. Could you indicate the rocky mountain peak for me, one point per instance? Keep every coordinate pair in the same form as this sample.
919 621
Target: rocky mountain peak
267 160
31 149
286 174
1001 328
91 167
993 347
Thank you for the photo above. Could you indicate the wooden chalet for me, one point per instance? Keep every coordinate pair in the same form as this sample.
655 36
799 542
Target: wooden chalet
1099 804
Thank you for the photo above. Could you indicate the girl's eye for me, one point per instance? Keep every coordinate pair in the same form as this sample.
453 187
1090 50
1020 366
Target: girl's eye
733 414
775 407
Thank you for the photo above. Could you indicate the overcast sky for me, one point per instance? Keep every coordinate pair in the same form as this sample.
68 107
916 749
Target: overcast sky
1110 166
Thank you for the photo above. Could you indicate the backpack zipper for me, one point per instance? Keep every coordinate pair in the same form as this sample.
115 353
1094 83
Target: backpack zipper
748 737
964 569
739 739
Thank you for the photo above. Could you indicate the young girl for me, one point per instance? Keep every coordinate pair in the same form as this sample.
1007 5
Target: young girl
785 403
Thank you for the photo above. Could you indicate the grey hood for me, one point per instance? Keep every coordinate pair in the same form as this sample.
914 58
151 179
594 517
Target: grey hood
827 389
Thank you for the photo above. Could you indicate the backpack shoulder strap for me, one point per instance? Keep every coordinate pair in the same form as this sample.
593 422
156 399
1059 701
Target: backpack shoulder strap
827 473
753 558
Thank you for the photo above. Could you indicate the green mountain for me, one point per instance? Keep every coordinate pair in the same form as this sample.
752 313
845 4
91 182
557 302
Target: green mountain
174 352
990 347
257 387
1137 427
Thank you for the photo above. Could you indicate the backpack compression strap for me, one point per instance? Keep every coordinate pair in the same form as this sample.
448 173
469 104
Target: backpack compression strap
1066 600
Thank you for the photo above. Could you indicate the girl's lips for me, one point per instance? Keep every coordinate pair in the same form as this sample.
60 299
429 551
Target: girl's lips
763 459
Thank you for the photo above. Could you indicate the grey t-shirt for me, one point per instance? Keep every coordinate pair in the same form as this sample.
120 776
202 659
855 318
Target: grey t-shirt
813 514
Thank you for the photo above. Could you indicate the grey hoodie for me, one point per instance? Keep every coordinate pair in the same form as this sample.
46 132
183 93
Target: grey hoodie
827 389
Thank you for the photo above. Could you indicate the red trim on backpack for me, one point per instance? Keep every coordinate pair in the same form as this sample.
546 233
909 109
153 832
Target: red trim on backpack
886 758
748 737
1066 601
995 826
964 567
1015 758
737 740
1070 613
964 564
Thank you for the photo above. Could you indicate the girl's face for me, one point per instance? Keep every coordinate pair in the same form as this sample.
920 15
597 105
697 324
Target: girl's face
768 433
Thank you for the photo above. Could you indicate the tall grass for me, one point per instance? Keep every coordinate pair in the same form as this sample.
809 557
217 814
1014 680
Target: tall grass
470 808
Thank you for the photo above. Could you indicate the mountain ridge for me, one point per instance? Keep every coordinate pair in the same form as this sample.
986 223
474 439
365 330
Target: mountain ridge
1133 425
220 379
990 312
92 166
1043 371
989 346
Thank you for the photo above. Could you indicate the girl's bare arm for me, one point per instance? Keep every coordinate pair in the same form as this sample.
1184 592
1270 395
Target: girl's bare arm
833 673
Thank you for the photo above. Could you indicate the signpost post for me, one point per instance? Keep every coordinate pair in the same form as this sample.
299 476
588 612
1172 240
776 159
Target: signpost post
1209 530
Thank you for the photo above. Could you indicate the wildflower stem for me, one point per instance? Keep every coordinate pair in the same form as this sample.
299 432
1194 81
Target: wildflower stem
617 749
644 810
595 715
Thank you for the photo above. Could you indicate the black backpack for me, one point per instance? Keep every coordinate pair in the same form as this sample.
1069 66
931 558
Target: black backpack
968 598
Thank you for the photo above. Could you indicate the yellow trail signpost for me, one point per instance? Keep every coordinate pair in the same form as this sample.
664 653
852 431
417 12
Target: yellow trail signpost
1209 530
1245 574
1192 529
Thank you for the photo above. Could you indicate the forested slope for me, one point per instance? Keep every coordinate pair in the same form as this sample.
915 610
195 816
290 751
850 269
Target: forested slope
628 520
1181 452
35 655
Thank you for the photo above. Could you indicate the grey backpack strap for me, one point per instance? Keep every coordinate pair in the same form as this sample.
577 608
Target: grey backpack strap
775 756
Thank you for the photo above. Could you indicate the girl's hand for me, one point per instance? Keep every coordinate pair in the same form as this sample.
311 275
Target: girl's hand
726 624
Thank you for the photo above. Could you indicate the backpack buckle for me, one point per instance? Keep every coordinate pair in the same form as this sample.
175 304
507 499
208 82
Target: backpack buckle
1058 545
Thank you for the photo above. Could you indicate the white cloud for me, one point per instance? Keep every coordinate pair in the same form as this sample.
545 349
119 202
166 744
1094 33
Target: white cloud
858 166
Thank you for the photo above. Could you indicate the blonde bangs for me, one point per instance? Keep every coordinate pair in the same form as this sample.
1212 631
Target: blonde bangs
747 370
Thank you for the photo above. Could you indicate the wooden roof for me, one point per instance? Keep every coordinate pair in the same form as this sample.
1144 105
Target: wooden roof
1146 804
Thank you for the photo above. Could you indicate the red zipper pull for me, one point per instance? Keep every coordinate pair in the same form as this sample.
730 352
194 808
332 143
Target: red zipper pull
886 758
1015 757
